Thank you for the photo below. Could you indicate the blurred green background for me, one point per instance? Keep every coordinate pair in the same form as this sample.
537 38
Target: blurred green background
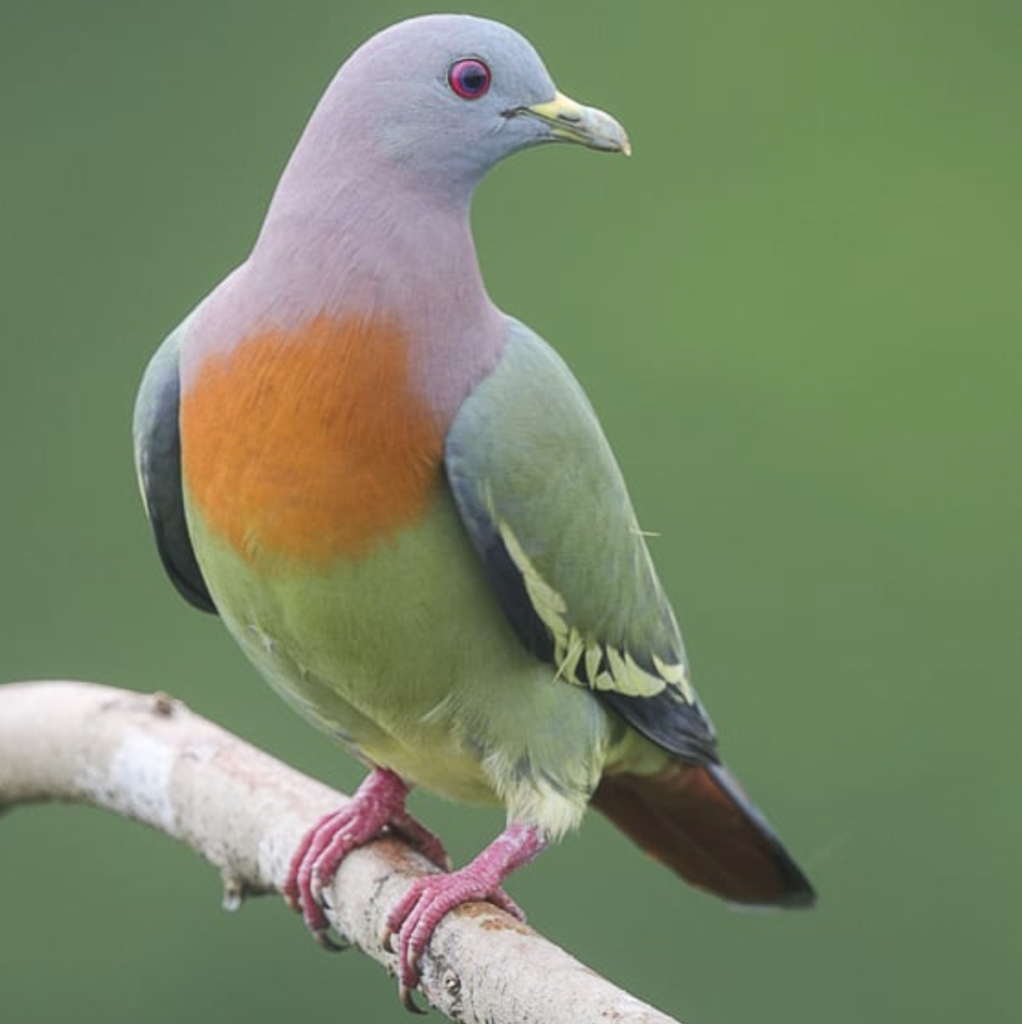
797 309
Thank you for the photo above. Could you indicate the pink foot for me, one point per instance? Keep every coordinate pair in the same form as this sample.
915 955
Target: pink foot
378 806
420 910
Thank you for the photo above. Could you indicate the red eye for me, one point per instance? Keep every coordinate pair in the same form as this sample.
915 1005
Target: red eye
469 78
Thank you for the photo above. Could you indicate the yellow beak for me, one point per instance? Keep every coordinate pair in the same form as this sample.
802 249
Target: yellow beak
569 121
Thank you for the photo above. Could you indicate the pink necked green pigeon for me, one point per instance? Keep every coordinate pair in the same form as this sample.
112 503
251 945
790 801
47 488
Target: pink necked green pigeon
402 506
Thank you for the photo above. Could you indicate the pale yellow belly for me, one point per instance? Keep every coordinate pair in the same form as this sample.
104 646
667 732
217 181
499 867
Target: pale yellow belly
405 656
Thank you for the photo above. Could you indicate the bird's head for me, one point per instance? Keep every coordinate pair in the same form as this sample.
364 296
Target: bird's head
446 97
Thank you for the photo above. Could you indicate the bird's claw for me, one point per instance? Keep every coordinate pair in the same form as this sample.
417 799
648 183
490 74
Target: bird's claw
309 901
500 899
417 835
407 997
377 807
405 991
327 942
412 921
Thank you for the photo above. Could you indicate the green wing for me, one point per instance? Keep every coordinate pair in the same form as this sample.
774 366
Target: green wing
158 462
546 507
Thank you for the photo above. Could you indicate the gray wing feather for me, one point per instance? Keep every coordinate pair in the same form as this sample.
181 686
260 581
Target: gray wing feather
158 462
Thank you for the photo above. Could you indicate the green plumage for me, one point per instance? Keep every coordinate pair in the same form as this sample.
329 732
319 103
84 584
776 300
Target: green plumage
530 467
416 529
407 656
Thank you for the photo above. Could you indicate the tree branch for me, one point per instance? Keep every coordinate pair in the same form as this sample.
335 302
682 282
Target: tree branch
149 758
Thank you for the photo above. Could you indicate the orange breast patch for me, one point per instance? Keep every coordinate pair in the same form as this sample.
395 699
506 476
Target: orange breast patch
310 444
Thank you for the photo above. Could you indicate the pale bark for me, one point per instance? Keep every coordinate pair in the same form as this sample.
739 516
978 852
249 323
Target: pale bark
149 758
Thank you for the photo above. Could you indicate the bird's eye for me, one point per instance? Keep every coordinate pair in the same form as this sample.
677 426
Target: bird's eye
469 78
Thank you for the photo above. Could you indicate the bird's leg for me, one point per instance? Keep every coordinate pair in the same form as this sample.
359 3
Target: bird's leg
378 805
416 915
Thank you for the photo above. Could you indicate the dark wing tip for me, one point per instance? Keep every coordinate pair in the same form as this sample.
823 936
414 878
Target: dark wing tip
678 725
184 572
158 460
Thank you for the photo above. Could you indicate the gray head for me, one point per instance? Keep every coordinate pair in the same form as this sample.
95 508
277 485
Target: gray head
442 99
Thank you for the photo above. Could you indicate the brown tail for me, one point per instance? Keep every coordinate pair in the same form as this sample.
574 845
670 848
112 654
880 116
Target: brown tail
698 821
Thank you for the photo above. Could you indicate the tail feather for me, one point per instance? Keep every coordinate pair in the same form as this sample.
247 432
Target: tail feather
698 821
